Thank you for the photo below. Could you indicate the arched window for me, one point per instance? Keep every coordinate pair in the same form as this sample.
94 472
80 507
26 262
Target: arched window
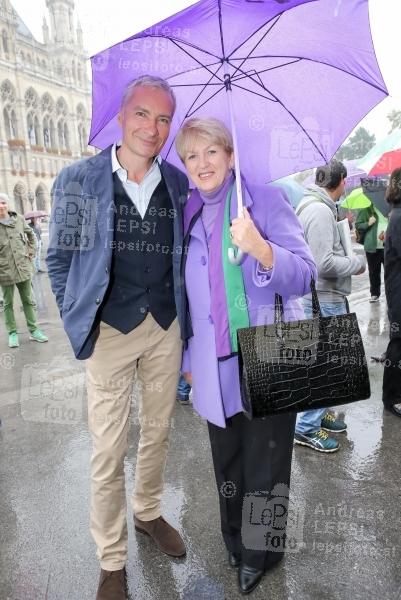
82 137
4 36
14 124
46 133
66 137
31 130
60 132
53 140
7 124
37 129
41 196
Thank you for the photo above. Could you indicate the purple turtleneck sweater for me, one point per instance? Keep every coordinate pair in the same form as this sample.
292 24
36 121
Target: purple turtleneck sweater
211 203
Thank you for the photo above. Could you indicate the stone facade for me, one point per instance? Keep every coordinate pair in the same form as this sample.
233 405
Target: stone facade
45 100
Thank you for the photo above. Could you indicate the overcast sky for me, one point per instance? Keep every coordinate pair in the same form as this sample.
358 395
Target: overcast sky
105 22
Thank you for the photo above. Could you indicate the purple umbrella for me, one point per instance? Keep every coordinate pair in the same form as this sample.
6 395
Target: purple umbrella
299 75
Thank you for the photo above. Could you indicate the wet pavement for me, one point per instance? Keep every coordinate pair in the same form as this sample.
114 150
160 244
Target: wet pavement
346 506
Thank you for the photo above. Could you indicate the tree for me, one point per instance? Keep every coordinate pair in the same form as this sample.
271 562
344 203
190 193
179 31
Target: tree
395 119
357 145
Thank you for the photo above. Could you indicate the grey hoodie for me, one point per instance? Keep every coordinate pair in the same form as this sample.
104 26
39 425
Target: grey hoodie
319 221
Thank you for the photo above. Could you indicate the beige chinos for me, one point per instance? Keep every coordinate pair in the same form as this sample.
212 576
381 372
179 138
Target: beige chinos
153 355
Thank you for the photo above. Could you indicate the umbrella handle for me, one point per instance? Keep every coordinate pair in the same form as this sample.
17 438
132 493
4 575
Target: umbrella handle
236 255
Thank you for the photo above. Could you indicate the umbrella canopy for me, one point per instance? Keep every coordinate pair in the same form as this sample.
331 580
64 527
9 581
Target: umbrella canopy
390 142
387 163
291 79
375 190
36 214
356 200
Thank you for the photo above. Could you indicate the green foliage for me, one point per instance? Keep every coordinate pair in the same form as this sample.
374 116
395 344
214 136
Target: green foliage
395 119
357 145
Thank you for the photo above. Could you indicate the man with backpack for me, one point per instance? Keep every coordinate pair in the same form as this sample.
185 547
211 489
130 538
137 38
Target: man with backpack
317 213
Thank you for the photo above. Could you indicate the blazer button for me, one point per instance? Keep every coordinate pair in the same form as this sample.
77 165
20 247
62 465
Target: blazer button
203 260
210 319
97 300
147 290
107 269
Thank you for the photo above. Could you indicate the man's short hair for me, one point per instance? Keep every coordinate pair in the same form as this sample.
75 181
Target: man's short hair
148 81
330 176
4 197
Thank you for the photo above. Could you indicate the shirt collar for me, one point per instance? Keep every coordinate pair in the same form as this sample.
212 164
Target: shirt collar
116 166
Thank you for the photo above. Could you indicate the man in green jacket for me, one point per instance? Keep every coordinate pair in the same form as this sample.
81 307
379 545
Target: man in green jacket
372 225
17 250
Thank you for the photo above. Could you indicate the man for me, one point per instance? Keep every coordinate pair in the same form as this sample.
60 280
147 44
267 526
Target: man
114 263
318 215
17 250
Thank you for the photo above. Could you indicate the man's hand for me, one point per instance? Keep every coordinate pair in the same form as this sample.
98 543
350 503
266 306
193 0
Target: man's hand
188 378
361 270
372 221
381 236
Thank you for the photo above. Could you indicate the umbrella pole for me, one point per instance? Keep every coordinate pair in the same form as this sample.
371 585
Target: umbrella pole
235 255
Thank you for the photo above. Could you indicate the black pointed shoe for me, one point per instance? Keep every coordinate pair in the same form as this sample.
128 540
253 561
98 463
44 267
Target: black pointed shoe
248 578
234 560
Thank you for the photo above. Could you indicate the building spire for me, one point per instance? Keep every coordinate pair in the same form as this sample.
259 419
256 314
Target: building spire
61 21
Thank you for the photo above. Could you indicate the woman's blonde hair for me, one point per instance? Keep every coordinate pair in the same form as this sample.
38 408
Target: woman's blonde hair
209 128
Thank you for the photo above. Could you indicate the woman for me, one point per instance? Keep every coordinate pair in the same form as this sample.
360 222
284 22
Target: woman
392 283
372 224
250 457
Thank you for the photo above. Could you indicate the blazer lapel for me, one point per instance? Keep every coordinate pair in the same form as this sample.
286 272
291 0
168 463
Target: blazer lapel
100 184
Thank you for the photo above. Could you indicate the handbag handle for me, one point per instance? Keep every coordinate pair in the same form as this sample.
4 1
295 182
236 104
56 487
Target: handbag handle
279 308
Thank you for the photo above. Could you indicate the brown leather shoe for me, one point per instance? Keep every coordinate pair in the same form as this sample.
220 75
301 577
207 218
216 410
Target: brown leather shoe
112 585
165 537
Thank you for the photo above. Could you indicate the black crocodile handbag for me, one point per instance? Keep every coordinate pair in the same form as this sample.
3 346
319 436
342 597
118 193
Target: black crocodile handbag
301 365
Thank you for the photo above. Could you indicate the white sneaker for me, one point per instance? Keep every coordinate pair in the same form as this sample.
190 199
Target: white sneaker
374 299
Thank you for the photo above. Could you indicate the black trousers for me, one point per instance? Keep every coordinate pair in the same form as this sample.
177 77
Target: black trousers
375 261
392 373
250 458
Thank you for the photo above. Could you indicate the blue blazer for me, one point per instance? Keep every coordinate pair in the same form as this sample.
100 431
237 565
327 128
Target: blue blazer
81 240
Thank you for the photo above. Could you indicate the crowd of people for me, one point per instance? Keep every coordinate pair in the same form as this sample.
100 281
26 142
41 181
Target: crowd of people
163 317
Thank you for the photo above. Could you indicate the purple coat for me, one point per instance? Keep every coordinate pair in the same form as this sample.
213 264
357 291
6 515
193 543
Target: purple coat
216 382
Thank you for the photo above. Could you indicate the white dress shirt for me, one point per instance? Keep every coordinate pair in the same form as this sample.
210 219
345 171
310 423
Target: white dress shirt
139 193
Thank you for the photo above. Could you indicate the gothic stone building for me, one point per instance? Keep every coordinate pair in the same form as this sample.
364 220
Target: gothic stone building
45 103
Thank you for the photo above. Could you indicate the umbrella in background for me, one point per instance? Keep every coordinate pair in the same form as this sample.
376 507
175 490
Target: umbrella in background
375 190
36 214
354 175
294 191
387 163
390 142
356 200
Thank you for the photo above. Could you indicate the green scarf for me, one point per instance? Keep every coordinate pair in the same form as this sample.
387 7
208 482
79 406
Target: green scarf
237 303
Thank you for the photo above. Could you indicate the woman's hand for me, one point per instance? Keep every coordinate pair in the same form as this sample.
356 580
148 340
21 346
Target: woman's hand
188 378
245 235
